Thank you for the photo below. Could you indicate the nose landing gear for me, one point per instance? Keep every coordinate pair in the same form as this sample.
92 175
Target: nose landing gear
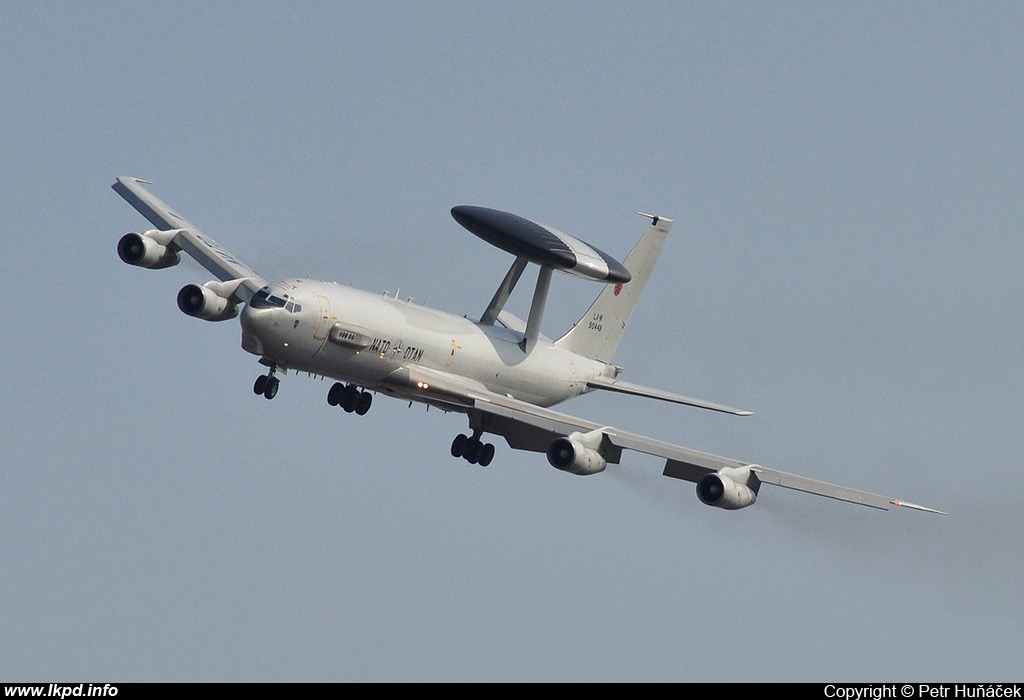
267 384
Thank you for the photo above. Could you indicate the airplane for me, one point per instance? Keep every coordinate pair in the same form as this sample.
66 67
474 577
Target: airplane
498 370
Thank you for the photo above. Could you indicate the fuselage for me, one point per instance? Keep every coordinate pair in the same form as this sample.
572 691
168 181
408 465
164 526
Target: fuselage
365 339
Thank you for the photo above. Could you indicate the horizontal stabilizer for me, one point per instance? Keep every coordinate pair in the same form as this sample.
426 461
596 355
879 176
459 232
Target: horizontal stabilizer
622 387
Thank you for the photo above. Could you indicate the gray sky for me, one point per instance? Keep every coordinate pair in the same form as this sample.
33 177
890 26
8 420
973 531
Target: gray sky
846 180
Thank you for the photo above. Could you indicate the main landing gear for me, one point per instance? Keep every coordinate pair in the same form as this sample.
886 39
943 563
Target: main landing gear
350 397
471 449
266 384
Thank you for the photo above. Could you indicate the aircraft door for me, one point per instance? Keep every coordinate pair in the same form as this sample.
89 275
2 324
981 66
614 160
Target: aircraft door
323 327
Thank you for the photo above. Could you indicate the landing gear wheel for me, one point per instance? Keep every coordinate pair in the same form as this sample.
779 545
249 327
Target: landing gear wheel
266 384
363 404
459 445
472 449
348 398
271 390
334 395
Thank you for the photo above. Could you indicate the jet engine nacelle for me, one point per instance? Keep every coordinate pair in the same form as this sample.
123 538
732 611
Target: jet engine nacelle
577 454
727 488
206 302
150 249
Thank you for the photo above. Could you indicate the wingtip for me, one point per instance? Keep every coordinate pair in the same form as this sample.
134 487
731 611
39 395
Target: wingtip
914 506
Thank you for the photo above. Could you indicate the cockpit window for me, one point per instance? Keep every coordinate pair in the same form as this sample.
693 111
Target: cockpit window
264 300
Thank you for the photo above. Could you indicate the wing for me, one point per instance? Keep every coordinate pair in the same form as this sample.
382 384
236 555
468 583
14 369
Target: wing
722 482
175 233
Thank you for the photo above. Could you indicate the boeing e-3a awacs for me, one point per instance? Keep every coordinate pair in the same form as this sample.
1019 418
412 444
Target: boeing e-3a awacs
500 371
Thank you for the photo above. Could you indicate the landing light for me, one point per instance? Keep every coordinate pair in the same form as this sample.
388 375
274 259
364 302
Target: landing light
422 385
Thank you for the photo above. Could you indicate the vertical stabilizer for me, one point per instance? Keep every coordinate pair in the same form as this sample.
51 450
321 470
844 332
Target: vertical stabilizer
598 333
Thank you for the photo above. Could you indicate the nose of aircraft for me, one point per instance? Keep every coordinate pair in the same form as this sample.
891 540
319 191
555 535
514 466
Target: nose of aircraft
258 320
250 320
